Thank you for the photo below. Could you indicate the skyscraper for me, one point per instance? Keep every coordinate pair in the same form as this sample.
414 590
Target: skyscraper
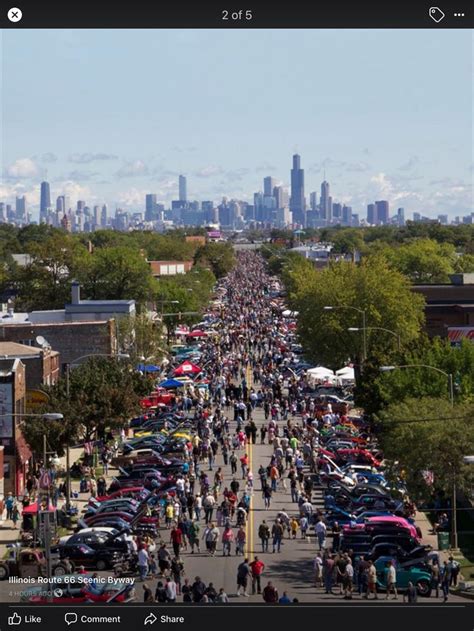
103 217
401 216
337 212
20 208
313 200
297 200
97 212
60 205
325 203
382 212
269 184
150 206
346 215
45 201
281 196
182 189
371 214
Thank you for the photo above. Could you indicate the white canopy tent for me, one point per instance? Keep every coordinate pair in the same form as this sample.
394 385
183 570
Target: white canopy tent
320 373
346 374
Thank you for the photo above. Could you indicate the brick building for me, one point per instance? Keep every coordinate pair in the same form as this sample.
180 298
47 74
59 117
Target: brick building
16 453
170 268
69 339
448 305
41 364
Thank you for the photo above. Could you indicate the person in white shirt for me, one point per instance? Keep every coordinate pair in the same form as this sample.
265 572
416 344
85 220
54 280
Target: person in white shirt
348 579
318 570
143 560
170 590
321 533
391 580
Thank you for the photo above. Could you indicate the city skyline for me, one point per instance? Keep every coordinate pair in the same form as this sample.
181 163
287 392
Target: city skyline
110 123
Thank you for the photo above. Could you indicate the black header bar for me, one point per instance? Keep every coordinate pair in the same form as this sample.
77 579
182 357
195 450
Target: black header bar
235 14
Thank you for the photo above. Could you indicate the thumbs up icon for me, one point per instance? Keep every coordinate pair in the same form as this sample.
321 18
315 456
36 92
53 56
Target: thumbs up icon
15 619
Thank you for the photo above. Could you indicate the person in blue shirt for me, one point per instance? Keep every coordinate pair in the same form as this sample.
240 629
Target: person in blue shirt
284 599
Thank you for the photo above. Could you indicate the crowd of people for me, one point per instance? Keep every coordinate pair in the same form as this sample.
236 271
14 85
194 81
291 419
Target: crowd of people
254 397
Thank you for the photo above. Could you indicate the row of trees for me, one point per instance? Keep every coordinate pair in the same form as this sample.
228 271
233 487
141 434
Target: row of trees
461 236
410 408
113 269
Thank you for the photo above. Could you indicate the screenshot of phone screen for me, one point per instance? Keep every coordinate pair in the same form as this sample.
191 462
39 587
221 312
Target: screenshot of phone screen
237 315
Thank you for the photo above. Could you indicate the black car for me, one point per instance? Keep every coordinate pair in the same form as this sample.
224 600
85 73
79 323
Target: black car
96 541
415 555
104 558
362 543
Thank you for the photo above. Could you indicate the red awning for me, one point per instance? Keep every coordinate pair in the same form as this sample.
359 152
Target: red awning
187 368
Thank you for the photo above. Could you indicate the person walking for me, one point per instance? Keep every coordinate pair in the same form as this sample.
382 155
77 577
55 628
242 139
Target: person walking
277 534
193 536
240 539
143 559
435 577
264 535
445 580
176 539
257 567
321 529
391 580
243 573
227 539
371 580
267 496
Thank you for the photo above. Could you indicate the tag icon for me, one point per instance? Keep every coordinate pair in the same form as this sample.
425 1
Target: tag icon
436 14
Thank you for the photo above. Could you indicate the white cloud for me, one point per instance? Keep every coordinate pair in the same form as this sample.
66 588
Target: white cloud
23 168
85 158
132 169
208 171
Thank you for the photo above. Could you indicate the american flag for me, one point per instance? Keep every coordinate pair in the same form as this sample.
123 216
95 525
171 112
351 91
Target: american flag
88 448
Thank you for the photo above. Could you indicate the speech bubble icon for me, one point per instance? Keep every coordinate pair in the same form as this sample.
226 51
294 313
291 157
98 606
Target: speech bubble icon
70 618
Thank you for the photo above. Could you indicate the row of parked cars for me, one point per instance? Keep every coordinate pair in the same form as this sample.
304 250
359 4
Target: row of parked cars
367 510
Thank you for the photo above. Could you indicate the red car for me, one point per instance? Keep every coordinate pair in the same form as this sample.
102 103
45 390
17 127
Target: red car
126 492
359 456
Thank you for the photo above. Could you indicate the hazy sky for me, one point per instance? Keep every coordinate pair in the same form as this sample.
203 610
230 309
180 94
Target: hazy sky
112 115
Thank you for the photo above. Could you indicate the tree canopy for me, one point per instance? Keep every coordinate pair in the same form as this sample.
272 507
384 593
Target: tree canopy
371 286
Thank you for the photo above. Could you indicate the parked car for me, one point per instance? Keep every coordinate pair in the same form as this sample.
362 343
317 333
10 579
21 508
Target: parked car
419 576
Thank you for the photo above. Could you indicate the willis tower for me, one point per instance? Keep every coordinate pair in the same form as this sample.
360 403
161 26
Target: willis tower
297 200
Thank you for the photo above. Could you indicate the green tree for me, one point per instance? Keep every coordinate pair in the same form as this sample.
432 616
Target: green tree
219 257
44 283
141 337
423 260
115 273
104 394
427 434
372 286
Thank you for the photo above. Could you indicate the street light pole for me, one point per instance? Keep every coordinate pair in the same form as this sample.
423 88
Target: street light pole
454 518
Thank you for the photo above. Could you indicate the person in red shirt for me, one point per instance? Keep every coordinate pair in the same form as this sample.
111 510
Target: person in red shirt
257 568
176 538
244 463
270 593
